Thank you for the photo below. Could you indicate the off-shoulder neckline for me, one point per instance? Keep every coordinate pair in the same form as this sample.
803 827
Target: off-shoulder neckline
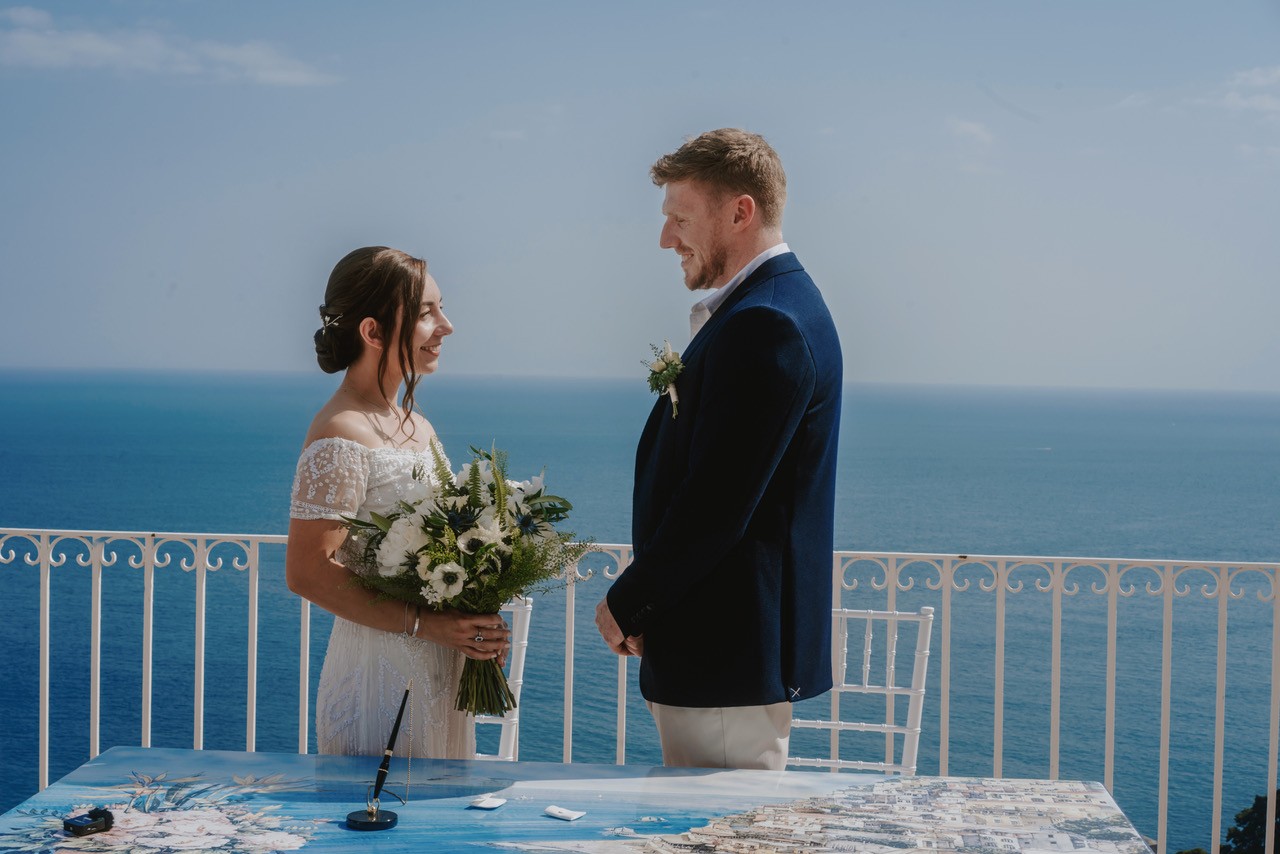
342 440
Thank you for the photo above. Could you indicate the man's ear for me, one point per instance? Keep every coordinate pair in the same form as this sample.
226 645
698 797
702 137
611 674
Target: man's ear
744 211
371 333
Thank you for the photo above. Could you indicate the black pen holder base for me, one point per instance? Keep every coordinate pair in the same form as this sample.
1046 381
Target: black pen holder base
379 820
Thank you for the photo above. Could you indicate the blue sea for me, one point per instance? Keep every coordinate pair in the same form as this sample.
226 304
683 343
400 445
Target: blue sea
958 470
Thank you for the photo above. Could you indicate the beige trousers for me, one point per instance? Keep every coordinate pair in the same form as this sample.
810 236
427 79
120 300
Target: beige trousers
725 737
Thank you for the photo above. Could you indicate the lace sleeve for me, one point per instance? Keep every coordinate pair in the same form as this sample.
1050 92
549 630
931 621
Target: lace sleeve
331 480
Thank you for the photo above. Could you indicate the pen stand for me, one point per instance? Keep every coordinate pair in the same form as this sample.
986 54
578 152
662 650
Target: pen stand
372 817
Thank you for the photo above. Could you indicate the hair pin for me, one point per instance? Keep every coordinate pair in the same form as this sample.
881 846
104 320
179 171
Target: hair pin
328 319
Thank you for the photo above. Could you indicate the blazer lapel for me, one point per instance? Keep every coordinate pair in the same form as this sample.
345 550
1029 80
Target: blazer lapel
774 266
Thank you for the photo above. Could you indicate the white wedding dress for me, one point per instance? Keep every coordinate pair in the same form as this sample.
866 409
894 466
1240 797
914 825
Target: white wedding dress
367 670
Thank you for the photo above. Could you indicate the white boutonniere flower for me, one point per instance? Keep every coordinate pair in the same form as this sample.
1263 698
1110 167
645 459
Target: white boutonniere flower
663 370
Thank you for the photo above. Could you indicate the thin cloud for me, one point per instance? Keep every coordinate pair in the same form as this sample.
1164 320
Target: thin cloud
1254 91
1258 77
29 38
1258 103
971 130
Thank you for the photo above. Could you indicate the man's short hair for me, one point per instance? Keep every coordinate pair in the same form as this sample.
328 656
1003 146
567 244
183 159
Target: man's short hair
730 162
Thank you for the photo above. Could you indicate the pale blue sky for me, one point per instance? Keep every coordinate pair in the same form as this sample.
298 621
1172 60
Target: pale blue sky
1067 193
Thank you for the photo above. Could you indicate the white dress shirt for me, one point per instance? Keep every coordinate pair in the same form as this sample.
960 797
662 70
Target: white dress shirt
705 307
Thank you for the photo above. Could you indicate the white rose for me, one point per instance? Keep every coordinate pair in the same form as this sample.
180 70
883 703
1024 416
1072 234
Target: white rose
404 537
420 491
658 366
390 553
464 474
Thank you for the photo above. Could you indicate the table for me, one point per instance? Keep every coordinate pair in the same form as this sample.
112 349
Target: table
168 800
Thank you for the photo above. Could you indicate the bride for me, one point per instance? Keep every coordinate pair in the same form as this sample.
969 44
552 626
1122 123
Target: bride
383 323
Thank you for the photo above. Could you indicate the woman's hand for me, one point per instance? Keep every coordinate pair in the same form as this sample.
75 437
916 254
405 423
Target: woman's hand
478 636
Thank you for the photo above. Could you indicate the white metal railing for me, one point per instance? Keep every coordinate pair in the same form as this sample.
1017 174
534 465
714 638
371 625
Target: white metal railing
929 579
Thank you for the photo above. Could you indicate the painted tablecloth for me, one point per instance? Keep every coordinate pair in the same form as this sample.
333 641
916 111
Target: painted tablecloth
170 800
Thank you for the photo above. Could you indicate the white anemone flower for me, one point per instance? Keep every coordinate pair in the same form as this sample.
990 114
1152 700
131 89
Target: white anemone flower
447 580
486 532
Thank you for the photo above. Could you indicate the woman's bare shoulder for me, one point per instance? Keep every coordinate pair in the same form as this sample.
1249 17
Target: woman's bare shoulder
337 423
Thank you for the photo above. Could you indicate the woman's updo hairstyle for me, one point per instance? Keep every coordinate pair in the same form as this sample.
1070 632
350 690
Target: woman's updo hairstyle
381 283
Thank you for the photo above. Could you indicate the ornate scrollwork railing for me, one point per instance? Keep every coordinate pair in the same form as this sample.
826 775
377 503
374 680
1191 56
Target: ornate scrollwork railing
1000 583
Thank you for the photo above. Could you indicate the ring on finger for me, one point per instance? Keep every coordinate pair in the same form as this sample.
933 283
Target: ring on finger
479 638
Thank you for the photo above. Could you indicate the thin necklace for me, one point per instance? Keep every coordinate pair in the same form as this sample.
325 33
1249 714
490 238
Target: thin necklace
390 409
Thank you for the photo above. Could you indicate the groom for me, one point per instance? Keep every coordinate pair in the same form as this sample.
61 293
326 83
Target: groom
728 598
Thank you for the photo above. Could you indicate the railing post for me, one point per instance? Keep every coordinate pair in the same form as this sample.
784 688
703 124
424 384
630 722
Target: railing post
570 598
1166 690
202 562
304 674
251 677
948 574
997 750
1220 705
45 546
1109 736
97 549
1057 578
148 617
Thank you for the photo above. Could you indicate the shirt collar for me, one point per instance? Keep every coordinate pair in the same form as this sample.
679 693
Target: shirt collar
717 297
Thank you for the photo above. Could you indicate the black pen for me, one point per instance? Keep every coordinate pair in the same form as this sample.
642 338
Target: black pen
381 776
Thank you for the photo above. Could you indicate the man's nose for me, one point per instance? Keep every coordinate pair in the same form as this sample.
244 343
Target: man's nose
667 239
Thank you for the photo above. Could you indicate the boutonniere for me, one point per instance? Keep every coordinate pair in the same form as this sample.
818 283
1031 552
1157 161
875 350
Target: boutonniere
663 370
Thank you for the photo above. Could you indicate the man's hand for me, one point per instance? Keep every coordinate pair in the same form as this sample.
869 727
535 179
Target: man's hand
612 634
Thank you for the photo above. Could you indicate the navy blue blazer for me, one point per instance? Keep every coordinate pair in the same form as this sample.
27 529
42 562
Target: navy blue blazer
734 503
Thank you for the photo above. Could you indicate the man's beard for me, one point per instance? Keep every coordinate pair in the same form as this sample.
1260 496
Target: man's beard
711 271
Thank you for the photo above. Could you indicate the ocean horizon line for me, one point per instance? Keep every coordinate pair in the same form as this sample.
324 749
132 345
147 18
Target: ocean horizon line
10 372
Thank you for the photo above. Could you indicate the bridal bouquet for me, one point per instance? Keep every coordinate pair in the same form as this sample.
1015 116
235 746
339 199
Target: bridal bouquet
469 541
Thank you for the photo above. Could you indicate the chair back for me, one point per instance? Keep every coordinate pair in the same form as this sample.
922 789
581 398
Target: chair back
521 611
865 633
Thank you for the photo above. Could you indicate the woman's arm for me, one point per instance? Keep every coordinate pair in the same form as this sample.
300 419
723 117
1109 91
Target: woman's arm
313 572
